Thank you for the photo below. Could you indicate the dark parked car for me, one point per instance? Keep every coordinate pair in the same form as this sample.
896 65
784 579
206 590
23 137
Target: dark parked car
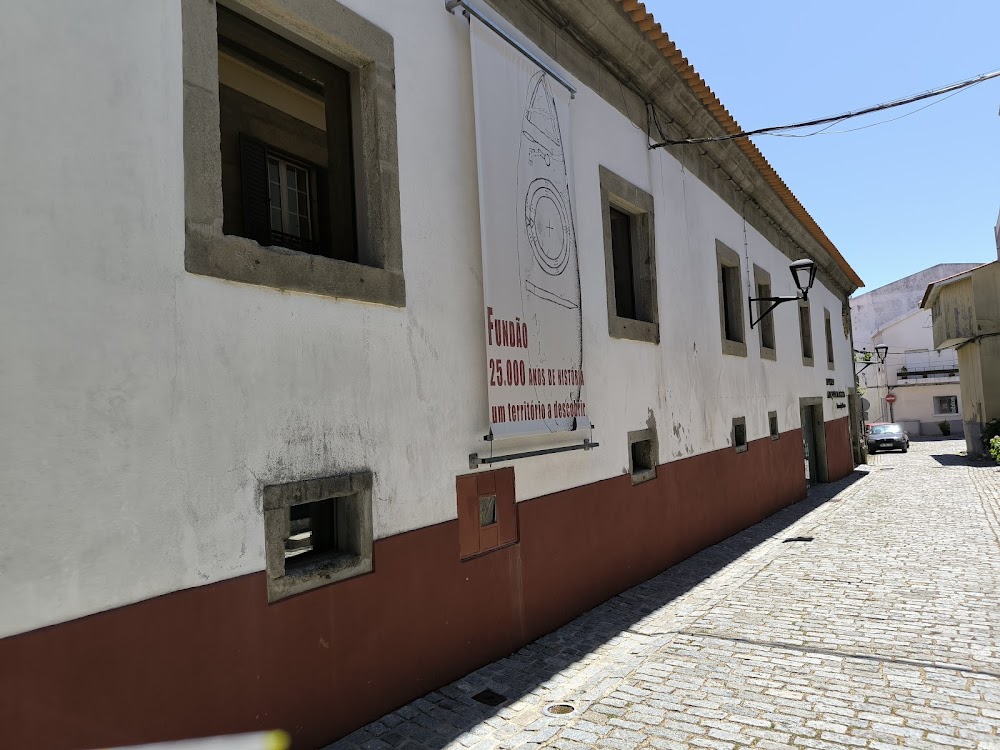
887 437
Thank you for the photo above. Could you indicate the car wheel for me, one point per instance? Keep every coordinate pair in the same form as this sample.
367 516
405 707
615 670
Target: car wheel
906 448
872 452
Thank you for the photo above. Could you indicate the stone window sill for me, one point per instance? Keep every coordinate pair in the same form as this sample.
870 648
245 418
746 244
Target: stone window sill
635 330
734 348
242 260
319 572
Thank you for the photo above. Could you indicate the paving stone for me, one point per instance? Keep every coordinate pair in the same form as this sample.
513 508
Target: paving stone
879 633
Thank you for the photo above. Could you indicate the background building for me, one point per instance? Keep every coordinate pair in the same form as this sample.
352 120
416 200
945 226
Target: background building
966 315
924 380
244 348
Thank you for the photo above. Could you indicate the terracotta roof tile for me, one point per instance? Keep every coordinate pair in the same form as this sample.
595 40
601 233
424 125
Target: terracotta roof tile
652 30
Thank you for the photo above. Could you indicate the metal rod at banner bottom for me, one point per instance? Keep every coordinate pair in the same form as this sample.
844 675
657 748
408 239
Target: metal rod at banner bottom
475 461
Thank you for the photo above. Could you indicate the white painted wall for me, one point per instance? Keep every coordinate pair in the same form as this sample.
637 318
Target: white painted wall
915 407
144 407
911 344
873 310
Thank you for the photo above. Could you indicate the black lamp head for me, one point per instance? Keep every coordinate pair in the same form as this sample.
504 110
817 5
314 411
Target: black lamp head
880 352
804 273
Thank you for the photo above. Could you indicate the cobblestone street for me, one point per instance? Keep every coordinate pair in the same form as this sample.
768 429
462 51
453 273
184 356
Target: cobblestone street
867 615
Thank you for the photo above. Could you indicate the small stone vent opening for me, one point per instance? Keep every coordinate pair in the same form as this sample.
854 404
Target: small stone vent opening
642 455
317 532
772 423
739 434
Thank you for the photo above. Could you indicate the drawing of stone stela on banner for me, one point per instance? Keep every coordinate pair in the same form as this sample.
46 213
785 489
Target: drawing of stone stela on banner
531 276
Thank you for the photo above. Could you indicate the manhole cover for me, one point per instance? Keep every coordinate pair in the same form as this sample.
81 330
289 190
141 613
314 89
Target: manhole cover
489 698
798 539
559 709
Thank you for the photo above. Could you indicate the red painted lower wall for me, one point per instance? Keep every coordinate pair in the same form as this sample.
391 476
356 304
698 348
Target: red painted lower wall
839 455
218 659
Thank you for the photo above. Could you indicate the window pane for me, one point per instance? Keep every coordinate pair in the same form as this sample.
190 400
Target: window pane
766 324
621 251
732 319
274 193
291 175
829 340
805 332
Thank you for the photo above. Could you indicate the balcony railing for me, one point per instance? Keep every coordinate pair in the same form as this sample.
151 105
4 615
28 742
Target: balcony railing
924 373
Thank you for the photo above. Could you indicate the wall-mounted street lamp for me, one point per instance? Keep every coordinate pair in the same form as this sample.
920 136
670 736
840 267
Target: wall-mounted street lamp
804 273
880 352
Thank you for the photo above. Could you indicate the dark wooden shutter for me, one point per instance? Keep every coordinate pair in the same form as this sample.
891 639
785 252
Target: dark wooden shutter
506 506
321 214
468 515
256 203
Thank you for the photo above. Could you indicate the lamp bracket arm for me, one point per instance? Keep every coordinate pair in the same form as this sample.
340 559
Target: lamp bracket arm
775 301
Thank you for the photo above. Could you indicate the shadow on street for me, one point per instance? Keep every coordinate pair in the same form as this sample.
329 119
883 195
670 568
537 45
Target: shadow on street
437 719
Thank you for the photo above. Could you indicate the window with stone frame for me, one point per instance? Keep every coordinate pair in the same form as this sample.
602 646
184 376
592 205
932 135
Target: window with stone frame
291 174
630 259
285 127
828 329
946 404
765 326
731 301
805 333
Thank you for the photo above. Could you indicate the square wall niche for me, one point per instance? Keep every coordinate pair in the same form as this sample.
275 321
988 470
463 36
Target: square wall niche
739 434
643 453
487 512
317 532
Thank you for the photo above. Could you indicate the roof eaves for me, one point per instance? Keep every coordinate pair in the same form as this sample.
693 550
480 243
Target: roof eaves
940 283
645 22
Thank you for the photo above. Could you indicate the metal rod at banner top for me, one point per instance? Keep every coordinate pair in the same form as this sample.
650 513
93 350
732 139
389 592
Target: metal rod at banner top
475 461
450 6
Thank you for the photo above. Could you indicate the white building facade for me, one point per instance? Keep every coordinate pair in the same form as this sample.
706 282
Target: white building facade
923 380
195 387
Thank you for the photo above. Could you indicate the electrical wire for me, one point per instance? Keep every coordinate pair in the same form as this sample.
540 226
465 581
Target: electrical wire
834 119
827 131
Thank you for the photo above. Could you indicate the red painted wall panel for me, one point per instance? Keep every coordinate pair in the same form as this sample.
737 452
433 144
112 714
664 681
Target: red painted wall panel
839 455
218 659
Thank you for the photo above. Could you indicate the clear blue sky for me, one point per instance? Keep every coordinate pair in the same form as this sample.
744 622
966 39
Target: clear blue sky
895 198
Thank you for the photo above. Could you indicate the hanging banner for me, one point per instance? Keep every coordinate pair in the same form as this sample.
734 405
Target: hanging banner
531 276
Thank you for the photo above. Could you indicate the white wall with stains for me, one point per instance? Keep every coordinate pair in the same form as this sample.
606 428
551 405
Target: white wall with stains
144 407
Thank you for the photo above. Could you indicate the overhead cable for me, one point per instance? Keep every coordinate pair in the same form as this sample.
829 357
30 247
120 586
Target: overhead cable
833 119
